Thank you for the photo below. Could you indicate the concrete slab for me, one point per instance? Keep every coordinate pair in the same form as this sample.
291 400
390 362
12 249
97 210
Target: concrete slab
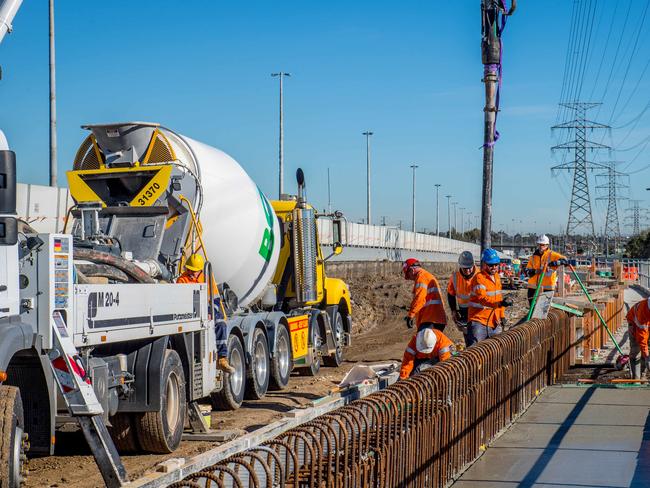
572 437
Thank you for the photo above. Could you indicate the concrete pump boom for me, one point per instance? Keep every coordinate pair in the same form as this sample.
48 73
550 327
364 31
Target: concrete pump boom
8 9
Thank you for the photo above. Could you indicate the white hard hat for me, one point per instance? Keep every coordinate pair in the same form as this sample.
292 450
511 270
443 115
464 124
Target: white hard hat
543 239
425 341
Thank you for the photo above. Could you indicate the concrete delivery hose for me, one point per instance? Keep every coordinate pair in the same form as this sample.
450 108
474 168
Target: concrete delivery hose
118 262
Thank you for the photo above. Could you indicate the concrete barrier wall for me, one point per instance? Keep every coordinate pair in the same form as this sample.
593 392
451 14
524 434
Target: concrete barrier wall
43 207
360 269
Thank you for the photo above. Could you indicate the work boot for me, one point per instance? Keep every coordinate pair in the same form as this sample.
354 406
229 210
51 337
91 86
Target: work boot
225 366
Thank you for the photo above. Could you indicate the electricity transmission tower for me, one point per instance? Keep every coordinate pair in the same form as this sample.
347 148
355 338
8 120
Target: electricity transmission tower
611 187
634 216
580 215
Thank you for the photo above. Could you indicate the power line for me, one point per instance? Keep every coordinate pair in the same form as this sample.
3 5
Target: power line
602 58
629 64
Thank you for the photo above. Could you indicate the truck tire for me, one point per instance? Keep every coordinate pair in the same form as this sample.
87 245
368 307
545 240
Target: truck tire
257 376
161 431
315 341
336 358
123 433
282 361
231 396
13 440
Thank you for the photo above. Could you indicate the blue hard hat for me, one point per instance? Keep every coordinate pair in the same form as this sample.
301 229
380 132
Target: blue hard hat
490 256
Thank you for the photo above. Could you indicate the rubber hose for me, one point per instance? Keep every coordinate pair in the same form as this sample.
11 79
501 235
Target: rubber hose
111 259
95 270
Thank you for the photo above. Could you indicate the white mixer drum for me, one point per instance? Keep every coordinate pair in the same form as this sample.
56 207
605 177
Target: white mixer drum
240 228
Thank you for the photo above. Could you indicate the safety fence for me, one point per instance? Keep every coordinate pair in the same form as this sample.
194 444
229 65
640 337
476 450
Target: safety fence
644 275
421 432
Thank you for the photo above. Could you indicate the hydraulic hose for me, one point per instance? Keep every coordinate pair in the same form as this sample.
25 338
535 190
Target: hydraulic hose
120 263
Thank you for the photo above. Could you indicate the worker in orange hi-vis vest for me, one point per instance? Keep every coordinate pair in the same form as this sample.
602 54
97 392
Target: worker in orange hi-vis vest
425 349
638 320
487 303
459 290
194 274
545 261
426 307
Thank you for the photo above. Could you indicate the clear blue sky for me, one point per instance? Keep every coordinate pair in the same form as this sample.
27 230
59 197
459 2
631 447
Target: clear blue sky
409 71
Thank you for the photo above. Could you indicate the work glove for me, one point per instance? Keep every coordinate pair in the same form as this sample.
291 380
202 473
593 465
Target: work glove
531 272
457 317
507 302
410 322
504 322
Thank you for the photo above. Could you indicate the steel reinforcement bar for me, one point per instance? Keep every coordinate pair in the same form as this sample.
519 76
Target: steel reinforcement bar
421 432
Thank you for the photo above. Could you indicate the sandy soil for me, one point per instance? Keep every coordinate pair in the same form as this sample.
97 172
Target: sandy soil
379 305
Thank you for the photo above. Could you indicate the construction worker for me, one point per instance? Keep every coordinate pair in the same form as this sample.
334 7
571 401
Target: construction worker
486 303
546 261
194 274
459 290
638 321
426 348
426 307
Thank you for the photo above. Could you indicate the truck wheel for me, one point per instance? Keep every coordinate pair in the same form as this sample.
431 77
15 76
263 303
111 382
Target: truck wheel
257 376
161 431
315 344
282 361
231 395
123 432
336 359
13 440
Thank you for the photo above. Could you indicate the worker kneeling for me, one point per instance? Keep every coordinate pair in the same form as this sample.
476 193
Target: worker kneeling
194 274
426 348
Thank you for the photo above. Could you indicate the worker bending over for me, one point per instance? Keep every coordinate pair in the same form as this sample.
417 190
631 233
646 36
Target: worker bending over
544 261
426 348
426 307
486 303
194 274
459 290
638 321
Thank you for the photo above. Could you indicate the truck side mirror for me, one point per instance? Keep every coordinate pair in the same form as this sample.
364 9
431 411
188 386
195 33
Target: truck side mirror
337 231
8 231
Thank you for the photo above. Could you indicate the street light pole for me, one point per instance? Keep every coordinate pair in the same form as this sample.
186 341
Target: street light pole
53 145
368 213
462 222
437 185
413 167
329 193
281 76
448 197
454 204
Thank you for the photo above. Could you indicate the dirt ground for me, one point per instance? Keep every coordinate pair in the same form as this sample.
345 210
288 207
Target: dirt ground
379 335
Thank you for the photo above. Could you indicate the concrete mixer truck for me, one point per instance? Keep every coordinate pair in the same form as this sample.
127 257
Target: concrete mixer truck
93 327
